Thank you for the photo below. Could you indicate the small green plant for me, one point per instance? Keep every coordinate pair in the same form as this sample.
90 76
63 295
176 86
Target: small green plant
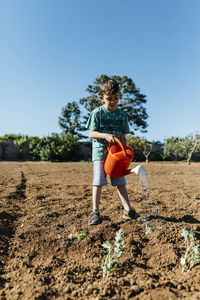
77 235
145 223
70 236
80 235
114 251
192 254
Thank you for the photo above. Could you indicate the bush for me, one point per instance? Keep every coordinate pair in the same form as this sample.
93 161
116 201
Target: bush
57 147
20 141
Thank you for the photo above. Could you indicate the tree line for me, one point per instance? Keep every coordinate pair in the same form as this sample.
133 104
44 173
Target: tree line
65 146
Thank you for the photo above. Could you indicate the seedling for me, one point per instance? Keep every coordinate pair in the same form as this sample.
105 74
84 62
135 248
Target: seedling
80 235
145 223
109 262
77 235
192 254
70 236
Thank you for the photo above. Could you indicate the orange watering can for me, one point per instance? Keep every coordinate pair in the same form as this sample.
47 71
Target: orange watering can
118 160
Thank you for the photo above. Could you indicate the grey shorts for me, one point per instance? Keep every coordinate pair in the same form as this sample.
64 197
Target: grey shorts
99 175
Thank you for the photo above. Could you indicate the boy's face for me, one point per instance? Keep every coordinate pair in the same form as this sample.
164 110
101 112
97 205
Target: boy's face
110 101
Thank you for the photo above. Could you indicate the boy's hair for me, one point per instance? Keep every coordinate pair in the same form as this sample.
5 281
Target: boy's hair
109 86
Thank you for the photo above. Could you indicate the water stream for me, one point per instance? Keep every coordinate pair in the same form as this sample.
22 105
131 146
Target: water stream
146 193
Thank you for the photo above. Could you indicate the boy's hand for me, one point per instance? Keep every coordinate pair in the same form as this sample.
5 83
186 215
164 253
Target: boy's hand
109 138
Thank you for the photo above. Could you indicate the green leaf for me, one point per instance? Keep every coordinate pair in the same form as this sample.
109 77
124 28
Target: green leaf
70 236
80 235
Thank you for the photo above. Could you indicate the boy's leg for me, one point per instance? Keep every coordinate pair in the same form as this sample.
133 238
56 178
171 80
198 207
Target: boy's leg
120 183
96 195
129 213
123 195
95 215
99 180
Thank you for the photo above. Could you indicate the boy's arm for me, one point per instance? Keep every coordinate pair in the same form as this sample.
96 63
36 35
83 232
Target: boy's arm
101 136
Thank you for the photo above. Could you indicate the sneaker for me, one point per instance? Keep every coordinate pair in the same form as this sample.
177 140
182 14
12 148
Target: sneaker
130 215
95 218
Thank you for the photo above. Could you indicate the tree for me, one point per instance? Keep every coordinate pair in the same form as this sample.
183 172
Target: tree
131 101
182 148
69 120
146 148
141 145
190 145
172 149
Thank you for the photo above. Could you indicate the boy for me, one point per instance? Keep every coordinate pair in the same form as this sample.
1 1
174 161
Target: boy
106 122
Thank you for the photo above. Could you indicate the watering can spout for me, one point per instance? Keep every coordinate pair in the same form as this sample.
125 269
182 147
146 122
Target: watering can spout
127 172
137 170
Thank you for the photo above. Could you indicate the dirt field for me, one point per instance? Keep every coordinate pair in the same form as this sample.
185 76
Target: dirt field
42 203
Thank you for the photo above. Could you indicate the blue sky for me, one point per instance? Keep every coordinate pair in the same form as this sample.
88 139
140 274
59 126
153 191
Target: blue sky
52 49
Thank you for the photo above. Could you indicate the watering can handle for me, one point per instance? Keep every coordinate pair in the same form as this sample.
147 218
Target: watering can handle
119 142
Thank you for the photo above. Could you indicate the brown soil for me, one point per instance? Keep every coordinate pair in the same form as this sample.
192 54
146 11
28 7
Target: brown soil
42 203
